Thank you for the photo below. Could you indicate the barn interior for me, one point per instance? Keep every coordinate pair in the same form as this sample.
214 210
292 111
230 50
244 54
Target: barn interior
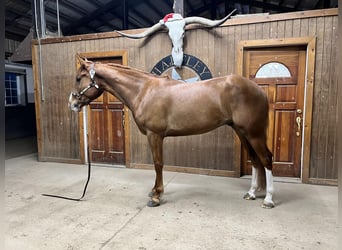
31 19
198 211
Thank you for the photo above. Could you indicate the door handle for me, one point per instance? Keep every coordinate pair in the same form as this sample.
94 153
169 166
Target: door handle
298 121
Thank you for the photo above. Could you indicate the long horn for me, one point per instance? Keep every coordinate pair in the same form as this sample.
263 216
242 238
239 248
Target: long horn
207 22
147 32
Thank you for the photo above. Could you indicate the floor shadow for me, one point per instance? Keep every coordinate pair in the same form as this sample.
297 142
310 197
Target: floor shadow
20 146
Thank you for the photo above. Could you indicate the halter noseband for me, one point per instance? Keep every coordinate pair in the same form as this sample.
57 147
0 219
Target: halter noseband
91 84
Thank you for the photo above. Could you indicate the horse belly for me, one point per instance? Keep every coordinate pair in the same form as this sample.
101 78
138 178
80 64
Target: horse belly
190 122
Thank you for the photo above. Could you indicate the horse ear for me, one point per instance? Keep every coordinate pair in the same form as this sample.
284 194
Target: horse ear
79 58
82 61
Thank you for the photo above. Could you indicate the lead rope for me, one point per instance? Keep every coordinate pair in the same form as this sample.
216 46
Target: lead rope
85 187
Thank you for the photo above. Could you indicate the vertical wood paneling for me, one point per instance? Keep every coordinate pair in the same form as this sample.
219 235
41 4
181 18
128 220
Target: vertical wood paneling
324 96
258 31
331 107
244 33
206 50
273 30
216 43
333 118
237 39
296 28
288 28
211 45
251 32
230 52
59 128
266 29
315 155
320 112
304 27
324 111
312 26
281 29
222 59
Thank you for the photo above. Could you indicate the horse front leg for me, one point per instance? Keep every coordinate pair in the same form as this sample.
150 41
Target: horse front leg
156 144
250 195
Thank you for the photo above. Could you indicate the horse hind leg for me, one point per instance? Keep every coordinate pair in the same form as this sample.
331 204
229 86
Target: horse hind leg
255 186
268 201
258 179
265 157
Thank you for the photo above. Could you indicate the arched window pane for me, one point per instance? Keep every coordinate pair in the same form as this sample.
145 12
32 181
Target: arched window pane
273 69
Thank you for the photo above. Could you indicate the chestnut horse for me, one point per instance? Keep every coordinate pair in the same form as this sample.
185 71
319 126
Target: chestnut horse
164 107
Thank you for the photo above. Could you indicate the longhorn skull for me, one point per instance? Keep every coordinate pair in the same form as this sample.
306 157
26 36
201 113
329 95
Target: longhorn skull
175 23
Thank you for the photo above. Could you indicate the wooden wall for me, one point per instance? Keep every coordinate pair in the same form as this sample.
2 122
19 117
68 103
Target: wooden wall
58 128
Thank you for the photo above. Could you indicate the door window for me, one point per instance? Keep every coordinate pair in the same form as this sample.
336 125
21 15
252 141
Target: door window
272 70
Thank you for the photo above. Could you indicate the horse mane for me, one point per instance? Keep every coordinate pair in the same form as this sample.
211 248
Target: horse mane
115 65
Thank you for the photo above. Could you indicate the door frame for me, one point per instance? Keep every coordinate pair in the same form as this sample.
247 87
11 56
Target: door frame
83 116
310 44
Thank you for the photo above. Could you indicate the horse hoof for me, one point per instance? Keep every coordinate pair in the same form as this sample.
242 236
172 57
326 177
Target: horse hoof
267 205
247 196
152 203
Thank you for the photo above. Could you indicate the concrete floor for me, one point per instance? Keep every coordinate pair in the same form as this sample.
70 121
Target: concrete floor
198 212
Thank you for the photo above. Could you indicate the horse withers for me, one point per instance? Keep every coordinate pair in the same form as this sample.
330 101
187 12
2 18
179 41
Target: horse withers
164 107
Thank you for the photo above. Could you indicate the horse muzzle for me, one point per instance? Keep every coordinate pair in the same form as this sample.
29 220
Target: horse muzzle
74 104
75 108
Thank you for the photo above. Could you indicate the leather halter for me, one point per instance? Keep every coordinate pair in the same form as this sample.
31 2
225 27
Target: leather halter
92 84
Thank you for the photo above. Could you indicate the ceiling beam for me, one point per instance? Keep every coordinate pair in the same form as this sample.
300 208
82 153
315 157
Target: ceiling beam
19 13
188 5
264 5
15 36
92 16
75 8
155 9
213 9
125 15
132 10
133 13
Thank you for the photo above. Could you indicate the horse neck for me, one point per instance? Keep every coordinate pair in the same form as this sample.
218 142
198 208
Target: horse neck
124 83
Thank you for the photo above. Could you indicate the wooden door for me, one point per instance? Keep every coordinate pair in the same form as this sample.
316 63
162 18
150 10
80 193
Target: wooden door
281 73
106 125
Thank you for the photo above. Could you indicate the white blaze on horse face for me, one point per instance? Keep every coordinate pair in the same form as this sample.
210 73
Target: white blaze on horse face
176 26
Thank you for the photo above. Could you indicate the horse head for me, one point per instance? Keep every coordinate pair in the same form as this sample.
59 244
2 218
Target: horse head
86 87
176 24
